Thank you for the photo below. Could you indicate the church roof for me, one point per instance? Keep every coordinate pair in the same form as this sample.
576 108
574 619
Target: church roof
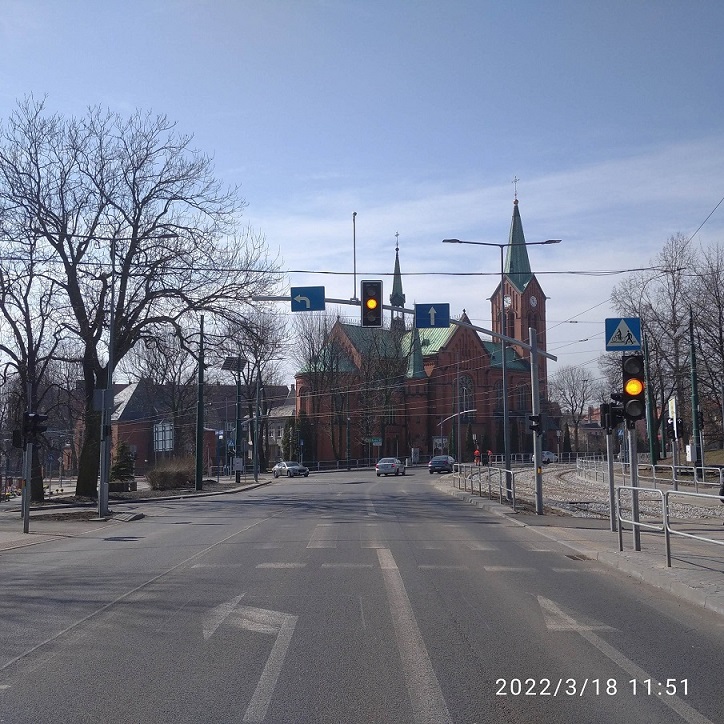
397 298
517 264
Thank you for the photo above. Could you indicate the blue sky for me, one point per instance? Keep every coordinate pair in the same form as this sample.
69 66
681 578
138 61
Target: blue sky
417 115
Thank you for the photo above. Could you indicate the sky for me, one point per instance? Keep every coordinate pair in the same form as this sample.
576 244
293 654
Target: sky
418 115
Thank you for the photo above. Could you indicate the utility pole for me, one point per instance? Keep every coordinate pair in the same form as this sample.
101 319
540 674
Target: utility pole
199 481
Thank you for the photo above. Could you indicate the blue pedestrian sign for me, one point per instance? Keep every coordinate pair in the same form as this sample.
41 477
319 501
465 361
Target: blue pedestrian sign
623 334
307 299
432 315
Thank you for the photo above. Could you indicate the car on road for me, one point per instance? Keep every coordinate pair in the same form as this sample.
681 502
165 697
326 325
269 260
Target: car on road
389 466
441 464
547 456
290 469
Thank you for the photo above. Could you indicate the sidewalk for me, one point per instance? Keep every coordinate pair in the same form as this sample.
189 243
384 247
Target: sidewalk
696 574
62 520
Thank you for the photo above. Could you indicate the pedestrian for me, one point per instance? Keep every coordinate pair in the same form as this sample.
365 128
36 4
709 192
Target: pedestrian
476 455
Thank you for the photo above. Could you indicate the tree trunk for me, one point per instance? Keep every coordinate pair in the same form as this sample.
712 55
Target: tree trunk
89 461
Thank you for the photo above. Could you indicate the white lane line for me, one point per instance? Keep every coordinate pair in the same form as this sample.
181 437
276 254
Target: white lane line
426 699
216 616
434 567
507 569
346 565
280 565
475 545
268 546
686 712
323 536
426 546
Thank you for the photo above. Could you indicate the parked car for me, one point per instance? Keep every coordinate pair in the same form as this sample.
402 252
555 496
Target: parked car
290 469
389 466
547 456
441 464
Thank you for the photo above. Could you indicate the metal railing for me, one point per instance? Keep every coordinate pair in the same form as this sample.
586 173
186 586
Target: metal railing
464 472
665 525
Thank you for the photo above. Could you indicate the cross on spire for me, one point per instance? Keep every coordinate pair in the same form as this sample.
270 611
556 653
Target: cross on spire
515 184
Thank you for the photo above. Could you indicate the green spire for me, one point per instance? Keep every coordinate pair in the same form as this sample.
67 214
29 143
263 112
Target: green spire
397 298
517 264
415 364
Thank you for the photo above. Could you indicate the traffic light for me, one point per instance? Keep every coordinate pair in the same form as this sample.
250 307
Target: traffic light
616 415
670 429
611 414
371 303
535 424
634 400
33 424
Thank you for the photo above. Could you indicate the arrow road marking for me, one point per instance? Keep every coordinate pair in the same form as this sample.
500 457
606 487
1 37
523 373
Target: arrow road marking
686 712
299 299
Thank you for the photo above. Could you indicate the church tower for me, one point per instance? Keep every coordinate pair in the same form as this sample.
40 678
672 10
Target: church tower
521 296
397 298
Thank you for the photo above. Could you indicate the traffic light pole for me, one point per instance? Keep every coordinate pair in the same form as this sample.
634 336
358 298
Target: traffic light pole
633 454
27 473
537 445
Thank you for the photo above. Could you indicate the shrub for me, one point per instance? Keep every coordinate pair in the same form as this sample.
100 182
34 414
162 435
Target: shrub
170 474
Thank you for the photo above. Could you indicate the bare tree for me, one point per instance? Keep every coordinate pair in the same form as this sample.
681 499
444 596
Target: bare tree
572 388
661 298
124 213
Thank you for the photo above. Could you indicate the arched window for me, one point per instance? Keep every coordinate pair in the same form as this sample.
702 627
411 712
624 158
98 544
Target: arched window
466 398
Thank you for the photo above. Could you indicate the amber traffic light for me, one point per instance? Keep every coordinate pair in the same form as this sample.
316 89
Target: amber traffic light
371 303
634 399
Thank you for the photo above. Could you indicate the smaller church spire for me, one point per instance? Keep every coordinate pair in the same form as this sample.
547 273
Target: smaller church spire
397 298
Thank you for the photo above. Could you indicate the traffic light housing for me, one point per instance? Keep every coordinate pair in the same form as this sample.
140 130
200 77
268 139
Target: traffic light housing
535 424
671 429
371 303
634 386
33 424
612 414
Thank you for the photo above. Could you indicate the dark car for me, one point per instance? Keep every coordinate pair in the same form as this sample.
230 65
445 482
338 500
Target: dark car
441 464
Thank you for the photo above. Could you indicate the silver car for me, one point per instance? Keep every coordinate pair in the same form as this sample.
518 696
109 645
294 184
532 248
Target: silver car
290 469
389 466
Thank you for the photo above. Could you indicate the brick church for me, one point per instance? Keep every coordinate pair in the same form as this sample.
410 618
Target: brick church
413 393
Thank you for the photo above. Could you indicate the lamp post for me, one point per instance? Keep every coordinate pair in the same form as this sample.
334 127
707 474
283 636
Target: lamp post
236 364
503 361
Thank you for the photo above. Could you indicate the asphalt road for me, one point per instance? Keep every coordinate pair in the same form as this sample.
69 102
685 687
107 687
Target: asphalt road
341 598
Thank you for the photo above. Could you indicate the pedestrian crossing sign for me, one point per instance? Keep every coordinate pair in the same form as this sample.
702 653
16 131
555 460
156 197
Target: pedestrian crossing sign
623 334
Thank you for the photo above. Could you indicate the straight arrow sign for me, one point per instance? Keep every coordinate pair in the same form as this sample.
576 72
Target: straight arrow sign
429 316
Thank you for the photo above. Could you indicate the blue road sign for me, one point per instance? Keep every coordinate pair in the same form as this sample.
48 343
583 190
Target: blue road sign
623 334
307 299
432 315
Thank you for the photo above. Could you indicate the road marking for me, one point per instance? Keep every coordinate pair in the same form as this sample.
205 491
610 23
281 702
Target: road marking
686 712
346 565
507 569
218 615
426 546
323 536
556 620
281 565
259 619
478 546
268 546
426 699
434 567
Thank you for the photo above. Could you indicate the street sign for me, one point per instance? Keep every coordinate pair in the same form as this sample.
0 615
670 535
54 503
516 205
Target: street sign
307 299
623 334
432 315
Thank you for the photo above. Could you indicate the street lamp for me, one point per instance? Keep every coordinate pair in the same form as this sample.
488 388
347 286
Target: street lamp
236 364
503 362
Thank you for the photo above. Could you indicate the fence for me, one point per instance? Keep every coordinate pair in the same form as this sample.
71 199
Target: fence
665 525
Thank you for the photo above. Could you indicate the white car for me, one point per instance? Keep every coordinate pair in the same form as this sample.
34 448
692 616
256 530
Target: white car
547 456
389 466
